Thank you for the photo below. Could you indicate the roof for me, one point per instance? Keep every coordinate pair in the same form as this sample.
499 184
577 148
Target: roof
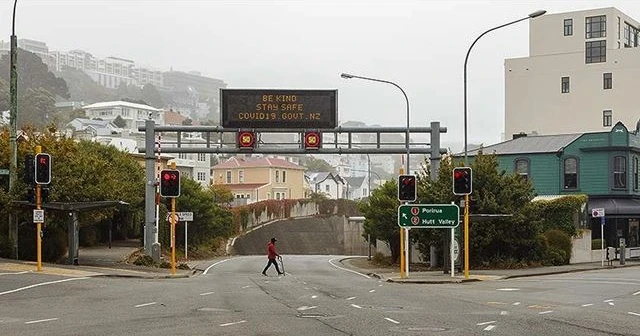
355 181
243 186
121 103
528 144
92 122
240 162
173 118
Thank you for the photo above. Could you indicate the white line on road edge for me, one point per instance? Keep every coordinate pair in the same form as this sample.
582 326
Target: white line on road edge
23 272
207 293
41 284
38 321
587 305
214 264
485 323
232 323
145 304
632 313
489 328
351 298
355 306
545 312
348 270
391 320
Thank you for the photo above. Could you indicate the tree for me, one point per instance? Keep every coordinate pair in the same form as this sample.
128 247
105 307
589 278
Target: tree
381 216
33 74
83 88
36 107
221 194
317 165
151 95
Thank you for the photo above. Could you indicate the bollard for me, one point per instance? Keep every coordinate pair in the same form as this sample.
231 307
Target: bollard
622 250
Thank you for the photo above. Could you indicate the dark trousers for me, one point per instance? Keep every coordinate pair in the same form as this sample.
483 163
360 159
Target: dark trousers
271 261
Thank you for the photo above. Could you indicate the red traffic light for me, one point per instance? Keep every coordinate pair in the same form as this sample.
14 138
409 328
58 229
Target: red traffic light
462 181
407 188
42 169
170 183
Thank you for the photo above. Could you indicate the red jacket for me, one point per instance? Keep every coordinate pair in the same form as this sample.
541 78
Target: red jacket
271 251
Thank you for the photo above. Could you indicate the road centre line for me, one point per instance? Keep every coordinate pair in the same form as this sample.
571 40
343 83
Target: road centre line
587 305
40 321
348 270
632 313
207 293
350 298
545 312
232 323
391 320
516 303
371 291
485 323
636 293
355 306
489 327
41 284
145 304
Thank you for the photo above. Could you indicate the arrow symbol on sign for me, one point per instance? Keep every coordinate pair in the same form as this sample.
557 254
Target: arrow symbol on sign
404 215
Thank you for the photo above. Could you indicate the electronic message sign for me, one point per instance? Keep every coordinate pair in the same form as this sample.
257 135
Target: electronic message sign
267 108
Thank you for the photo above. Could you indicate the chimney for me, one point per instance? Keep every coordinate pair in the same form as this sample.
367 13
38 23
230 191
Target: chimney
519 135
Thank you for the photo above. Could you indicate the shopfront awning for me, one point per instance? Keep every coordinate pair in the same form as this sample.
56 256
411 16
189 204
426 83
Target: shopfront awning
616 206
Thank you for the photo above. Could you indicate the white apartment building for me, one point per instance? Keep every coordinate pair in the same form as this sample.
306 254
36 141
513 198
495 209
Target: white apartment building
581 74
134 115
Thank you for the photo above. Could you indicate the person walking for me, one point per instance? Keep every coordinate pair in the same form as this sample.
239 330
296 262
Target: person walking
272 255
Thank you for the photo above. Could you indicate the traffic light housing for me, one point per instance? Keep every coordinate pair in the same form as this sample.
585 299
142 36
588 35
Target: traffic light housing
462 181
42 168
169 183
29 169
407 188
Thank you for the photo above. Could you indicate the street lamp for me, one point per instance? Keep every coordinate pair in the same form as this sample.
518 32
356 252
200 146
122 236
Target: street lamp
530 16
13 113
349 76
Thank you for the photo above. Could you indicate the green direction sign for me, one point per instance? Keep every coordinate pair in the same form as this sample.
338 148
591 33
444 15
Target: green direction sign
4 171
428 216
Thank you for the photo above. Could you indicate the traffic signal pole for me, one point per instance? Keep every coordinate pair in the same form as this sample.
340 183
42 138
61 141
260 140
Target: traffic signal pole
38 225
466 236
173 235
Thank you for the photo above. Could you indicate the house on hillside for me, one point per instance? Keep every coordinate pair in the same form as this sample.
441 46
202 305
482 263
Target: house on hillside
256 179
134 115
330 184
603 165
357 187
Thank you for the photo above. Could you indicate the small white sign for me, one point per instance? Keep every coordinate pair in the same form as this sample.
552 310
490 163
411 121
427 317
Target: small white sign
597 212
38 216
183 216
456 249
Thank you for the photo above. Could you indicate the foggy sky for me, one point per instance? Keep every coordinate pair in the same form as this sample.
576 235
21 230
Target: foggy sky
420 45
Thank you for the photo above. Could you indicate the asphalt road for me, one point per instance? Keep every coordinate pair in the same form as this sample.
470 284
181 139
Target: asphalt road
317 296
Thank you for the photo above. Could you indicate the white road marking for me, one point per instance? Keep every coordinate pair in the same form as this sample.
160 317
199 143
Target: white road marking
508 289
380 285
516 303
607 300
314 296
587 305
145 304
636 293
215 264
611 303
348 270
391 320
23 272
307 307
207 293
489 328
545 312
351 298
41 284
39 321
245 287
355 306
632 313
485 323
232 323
371 291
504 312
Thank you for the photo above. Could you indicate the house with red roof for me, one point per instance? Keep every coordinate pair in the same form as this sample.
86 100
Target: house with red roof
254 179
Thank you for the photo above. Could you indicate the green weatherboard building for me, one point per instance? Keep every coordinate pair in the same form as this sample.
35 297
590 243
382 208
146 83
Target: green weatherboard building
602 165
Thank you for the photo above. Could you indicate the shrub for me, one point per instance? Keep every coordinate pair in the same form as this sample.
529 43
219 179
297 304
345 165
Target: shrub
558 250
144 260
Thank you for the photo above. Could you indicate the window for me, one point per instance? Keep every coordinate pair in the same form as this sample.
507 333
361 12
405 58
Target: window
619 172
596 26
182 156
564 84
522 168
568 27
571 173
327 188
607 116
202 176
277 176
284 176
240 176
596 52
607 80
228 176
202 157
635 173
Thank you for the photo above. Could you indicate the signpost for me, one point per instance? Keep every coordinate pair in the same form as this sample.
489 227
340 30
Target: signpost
267 108
429 216
185 217
595 213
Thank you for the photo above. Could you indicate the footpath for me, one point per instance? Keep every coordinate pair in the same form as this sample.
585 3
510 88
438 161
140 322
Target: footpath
103 261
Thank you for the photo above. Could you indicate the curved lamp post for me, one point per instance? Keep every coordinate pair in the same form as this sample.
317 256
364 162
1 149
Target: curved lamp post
349 76
466 59
13 113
